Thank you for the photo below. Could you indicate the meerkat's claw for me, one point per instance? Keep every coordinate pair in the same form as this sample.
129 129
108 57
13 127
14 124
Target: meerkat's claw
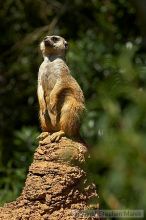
55 137
42 136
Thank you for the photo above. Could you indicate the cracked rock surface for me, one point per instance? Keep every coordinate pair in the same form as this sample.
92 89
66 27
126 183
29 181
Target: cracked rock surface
57 185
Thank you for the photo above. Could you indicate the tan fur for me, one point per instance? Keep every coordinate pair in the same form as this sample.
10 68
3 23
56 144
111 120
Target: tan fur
60 97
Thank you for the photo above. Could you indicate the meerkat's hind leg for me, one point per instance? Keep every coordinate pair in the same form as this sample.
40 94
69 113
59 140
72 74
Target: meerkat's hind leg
56 136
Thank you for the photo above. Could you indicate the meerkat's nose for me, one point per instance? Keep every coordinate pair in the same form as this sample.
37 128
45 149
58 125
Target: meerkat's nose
45 38
47 41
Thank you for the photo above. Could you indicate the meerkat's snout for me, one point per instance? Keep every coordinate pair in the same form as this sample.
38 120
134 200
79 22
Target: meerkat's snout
47 41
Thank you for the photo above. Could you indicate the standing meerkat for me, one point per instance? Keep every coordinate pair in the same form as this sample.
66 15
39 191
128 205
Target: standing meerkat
61 99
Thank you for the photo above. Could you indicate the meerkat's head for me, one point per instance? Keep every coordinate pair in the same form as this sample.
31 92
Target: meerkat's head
54 45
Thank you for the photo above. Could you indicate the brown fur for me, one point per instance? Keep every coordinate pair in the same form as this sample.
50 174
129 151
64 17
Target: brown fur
60 97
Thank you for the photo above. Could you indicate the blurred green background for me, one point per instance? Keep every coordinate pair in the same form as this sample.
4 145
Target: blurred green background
107 56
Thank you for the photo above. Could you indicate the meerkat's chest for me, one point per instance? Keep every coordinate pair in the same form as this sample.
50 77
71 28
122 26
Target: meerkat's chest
50 69
49 73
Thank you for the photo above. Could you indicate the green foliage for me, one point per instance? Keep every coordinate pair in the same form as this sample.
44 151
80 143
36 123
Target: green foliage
116 120
107 59
13 174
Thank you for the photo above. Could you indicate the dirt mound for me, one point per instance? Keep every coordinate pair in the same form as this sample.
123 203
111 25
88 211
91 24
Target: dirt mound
57 185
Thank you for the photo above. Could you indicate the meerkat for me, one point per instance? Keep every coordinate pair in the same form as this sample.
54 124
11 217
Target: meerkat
61 99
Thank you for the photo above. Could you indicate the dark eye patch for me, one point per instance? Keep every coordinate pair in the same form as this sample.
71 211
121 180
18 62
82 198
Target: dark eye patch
55 39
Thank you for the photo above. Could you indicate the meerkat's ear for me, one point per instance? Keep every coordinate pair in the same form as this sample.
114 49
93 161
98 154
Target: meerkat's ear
66 45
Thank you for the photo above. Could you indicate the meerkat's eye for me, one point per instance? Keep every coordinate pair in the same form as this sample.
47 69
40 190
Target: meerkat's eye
55 39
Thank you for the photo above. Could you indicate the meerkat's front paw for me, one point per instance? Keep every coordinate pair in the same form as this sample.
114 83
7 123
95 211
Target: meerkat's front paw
55 137
42 136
